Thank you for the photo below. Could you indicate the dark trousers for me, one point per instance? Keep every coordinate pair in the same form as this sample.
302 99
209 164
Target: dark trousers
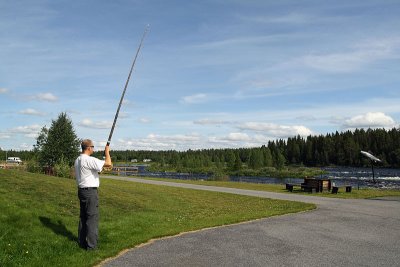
89 217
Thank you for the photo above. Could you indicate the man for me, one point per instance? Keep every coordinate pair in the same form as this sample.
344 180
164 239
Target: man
87 170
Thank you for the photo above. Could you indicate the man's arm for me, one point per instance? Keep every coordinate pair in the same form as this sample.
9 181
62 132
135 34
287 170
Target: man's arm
107 162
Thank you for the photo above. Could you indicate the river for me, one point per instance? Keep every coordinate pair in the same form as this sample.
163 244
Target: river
340 176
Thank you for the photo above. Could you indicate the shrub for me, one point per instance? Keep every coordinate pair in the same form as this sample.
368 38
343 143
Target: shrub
33 166
62 169
219 175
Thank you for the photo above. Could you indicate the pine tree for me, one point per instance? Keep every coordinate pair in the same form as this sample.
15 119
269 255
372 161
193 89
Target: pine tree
230 159
41 139
256 159
279 160
58 144
238 164
268 161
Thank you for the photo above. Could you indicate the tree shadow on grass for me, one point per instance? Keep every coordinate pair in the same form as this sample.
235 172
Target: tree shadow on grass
58 228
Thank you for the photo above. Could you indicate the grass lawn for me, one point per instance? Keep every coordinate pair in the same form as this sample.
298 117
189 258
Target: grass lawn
280 188
39 216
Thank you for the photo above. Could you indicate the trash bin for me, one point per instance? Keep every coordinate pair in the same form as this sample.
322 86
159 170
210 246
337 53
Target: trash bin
289 187
335 190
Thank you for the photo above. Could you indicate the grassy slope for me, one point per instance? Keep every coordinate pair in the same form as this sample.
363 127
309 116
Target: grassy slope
39 217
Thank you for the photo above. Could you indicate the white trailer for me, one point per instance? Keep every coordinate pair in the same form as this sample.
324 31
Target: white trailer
14 160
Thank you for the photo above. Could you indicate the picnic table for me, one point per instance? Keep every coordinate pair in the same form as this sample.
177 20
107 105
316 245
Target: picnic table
312 185
335 189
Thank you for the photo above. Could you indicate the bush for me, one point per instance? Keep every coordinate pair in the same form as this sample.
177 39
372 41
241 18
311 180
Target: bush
62 169
218 175
33 166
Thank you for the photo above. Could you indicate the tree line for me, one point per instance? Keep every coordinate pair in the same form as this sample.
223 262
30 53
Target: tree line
336 149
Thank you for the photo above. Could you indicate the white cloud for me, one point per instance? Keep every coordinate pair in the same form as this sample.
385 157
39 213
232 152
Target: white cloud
225 44
306 118
338 120
123 115
25 146
262 139
231 138
128 103
291 18
182 142
238 137
48 97
4 136
73 111
295 18
237 140
370 120
144 120
174 138
276 130
326 113
31 111
96 125
30 131
3 90
210 122
301 74
162 142
194 99
340 62
26 129
363 53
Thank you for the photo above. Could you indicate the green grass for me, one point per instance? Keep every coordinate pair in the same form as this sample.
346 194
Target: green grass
280 188
39 216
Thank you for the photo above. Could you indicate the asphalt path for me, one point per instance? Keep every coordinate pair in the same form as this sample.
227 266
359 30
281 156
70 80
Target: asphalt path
340 232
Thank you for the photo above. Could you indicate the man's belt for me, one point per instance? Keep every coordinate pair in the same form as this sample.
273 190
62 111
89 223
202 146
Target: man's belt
88 188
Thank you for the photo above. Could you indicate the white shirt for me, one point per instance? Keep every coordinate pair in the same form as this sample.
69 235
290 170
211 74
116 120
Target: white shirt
87 170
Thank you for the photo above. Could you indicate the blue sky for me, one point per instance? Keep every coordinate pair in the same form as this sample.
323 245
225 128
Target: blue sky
211 74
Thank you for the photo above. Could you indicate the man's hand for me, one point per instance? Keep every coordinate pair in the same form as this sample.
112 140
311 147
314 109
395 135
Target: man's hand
108 163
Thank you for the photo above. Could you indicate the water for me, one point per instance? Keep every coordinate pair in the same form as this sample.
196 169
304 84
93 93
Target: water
362 177
340 176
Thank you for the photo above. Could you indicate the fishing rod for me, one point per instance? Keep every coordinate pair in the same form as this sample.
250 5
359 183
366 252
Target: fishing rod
126 85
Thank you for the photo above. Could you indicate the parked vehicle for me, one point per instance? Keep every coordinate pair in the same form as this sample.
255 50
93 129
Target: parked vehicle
14 160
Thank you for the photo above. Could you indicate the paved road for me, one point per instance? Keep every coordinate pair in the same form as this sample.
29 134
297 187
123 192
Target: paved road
338 233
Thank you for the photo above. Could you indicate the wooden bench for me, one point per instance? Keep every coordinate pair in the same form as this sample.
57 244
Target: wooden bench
308 188
335 189
290 187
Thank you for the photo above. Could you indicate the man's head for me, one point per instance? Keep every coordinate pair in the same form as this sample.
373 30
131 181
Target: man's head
87 146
